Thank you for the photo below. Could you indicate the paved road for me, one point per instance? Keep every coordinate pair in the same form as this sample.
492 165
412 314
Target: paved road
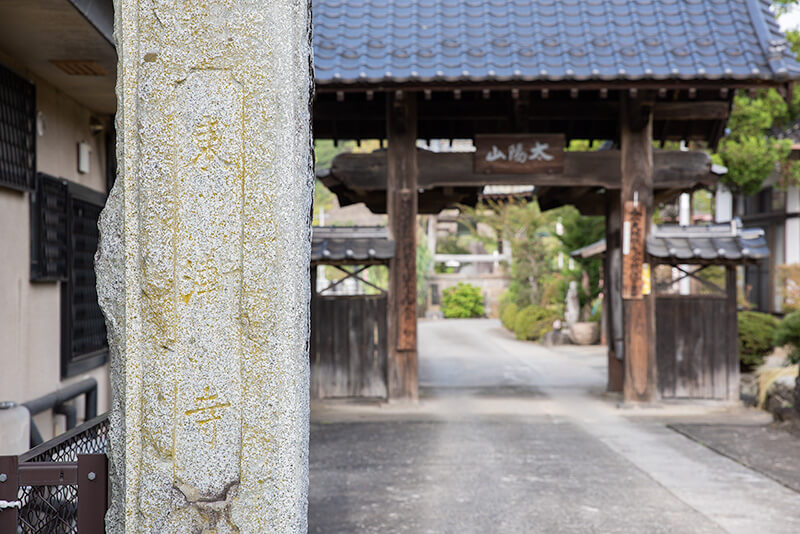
514 437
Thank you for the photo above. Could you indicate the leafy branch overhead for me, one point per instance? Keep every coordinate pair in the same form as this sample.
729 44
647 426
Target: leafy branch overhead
752 151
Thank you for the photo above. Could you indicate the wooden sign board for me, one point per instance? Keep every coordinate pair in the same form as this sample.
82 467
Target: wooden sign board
519 153
633 250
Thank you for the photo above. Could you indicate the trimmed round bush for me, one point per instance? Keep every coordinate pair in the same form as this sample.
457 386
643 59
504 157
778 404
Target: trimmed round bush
788 333
463 301
509 315
533 322
756 334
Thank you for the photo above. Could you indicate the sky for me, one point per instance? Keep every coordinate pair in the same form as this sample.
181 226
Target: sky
791 20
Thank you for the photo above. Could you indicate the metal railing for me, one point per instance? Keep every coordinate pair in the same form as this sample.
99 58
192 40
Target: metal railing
60 486
57 401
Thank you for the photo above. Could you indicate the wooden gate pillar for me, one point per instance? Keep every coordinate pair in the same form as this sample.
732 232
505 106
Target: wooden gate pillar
612 294
636 139
401 202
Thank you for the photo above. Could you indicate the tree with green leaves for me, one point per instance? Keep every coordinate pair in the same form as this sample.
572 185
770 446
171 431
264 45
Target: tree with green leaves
533 246
580 231
750 151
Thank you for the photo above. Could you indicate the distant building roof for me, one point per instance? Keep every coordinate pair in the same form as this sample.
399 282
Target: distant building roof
405 41
719 243
351 244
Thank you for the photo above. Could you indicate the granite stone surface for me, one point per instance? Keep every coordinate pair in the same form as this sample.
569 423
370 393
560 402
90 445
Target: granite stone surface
203 267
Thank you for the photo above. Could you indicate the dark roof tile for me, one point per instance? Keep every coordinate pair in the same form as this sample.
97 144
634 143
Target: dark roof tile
695 244
351 244
358 41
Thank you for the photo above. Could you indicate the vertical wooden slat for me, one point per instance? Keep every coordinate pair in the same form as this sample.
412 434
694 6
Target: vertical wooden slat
665 346
349 340
383 342
695 338
356 313
373 382
704 358
721 346
342 347
612 296
713 324
401 201
688 337
732 351
636 138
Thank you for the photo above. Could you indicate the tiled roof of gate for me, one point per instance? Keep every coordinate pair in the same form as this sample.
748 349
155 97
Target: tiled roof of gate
718 243
406 41
351 244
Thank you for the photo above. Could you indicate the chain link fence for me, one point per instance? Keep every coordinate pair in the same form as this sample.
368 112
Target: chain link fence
54 508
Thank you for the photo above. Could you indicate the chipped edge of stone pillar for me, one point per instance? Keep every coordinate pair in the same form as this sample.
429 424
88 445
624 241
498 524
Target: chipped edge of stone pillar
271 312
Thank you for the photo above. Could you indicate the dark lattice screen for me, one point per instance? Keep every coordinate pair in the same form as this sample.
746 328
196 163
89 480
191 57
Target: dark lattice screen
64 239
17 131
49 229
88 325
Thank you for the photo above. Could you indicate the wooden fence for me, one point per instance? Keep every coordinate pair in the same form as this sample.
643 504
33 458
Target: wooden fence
348 346
696 347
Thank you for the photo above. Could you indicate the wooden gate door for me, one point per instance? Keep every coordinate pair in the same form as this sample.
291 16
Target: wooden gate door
348 346
696 351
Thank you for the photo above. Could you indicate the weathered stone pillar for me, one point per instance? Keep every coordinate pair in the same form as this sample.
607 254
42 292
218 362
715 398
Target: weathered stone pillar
203 267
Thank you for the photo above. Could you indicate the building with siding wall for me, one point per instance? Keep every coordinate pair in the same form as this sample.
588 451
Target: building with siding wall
57 76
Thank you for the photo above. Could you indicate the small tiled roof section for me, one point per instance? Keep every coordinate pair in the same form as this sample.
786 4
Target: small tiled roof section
727 242
719 243
351 244
406 41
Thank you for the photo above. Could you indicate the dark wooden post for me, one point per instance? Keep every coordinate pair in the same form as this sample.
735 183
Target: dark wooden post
401 202
9 488
92 493
612 294
636 137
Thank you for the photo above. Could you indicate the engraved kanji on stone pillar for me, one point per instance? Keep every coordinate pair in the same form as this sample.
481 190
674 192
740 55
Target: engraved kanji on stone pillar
203 267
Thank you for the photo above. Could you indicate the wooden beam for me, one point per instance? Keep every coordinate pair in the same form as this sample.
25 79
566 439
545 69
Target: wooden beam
545 108
612 294
691 111
401 200
673 170
429 201
636 136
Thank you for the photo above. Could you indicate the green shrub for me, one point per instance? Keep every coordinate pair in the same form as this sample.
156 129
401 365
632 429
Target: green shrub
505 299
788 333
509 315
463 301
533 322
756 333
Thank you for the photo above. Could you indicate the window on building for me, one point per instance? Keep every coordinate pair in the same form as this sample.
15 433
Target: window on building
64 239
17 131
